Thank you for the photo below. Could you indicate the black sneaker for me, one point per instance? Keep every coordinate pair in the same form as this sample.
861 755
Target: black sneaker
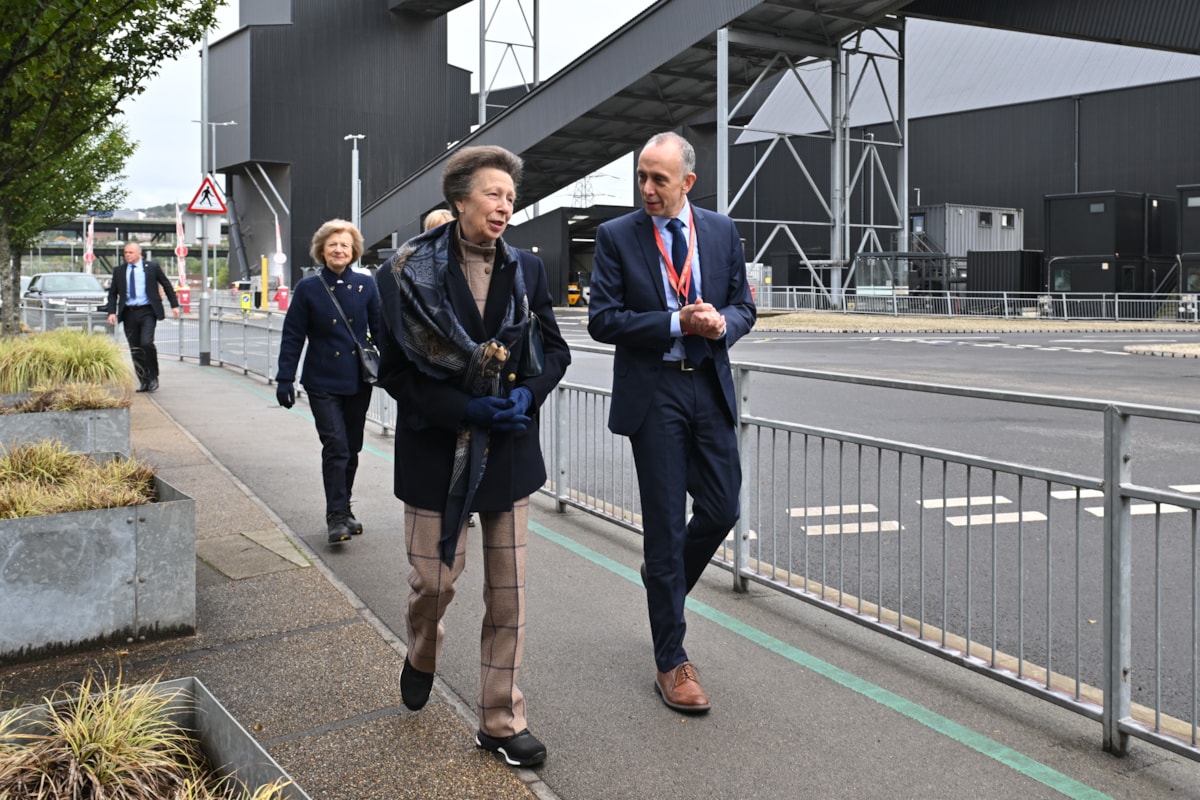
339 530
355 526
414 686
519 750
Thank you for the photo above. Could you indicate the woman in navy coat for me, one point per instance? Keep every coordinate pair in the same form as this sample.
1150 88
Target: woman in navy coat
338 396
457 305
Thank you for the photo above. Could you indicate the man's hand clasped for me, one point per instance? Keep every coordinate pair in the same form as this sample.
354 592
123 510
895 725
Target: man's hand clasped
702 319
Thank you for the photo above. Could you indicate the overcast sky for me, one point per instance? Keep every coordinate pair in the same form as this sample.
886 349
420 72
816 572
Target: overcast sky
166 166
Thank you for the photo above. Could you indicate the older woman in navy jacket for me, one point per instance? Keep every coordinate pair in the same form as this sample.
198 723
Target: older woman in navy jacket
338 396
458 303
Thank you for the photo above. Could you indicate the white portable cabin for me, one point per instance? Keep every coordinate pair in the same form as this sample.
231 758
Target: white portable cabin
955 229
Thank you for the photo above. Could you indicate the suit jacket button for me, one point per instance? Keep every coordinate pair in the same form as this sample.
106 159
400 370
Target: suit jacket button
512 376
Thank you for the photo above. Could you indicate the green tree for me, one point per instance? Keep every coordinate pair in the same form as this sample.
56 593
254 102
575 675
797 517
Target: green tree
65 68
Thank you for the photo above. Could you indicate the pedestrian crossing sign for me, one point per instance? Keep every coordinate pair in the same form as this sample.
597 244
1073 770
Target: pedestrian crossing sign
208 199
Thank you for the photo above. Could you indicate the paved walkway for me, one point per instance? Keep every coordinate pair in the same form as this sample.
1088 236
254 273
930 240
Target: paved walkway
300 641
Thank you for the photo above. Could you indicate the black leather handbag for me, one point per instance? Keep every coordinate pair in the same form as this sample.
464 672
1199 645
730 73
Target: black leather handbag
533 354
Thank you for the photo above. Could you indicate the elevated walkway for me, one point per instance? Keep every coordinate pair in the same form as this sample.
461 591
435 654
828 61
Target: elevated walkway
654 73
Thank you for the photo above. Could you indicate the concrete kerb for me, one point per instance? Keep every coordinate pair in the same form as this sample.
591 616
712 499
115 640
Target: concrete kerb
461 707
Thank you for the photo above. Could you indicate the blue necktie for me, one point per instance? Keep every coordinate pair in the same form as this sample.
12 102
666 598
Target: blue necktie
694 347
132 281
679 248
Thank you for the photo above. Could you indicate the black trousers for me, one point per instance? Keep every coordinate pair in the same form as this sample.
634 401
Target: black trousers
140 322
686 446
339 419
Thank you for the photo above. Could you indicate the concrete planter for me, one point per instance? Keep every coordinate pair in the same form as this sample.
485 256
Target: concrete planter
79 579
101 430
228 746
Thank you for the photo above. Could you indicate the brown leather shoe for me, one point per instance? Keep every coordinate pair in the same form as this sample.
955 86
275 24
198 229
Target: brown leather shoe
680 689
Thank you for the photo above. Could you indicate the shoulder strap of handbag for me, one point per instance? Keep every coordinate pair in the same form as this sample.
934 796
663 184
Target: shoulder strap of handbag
341 313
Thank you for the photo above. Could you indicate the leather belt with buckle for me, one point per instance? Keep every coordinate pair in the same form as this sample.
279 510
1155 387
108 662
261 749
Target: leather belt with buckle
683 366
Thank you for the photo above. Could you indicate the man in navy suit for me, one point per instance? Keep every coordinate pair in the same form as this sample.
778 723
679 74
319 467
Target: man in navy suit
133 298
669 290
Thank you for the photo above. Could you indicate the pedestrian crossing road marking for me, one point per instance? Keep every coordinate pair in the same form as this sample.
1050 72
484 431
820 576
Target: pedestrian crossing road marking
852 527
821 511
962 502
997 519
1141 509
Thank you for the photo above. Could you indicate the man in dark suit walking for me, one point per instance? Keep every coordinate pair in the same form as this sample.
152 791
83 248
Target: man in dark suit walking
669 289
133 298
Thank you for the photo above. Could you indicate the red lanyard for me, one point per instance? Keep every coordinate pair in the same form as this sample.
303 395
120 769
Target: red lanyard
681 281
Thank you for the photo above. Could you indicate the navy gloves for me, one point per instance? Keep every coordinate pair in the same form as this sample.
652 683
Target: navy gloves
507 414
522 399
481 410
285 393
515 417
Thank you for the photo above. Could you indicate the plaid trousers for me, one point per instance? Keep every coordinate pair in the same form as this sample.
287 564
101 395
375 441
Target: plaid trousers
499 704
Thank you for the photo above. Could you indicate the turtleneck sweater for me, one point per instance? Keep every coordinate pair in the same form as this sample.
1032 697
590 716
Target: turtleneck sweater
477 264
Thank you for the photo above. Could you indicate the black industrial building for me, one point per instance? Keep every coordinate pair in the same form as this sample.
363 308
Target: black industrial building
303 74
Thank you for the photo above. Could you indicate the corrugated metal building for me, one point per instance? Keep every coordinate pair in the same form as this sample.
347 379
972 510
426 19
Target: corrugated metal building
297 87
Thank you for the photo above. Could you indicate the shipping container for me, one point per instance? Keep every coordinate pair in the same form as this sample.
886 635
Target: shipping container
956 229
1004 271
1189 219
1110 224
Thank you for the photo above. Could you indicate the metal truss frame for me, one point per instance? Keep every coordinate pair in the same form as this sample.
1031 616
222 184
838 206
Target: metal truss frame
511 48
860 61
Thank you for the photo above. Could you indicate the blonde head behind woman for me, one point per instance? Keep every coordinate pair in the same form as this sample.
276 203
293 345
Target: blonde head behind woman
439 216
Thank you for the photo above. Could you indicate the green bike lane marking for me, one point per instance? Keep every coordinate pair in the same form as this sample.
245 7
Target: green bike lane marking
1023 764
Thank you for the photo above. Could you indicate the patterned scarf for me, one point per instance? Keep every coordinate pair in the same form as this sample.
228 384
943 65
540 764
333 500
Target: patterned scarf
435 341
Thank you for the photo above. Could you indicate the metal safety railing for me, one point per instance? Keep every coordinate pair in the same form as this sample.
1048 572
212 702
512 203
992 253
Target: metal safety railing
1061 306
1041 578
1079 585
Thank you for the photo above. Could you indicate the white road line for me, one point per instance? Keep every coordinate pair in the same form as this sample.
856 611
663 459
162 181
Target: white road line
752 535
1187 488
998 519
852 527
1069 494
832 511
1140 509
962 502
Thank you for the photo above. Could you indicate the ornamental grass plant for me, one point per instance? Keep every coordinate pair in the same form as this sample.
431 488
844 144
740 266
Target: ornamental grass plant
68 397
46 478
44 361
110 741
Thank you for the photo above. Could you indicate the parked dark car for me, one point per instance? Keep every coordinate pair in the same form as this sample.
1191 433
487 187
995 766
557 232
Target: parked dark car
55 299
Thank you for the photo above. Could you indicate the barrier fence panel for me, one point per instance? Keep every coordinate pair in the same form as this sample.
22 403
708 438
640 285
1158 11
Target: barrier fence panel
1043 305
1031 575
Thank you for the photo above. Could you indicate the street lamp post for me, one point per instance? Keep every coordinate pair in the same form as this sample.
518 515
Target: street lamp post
212 161
355 183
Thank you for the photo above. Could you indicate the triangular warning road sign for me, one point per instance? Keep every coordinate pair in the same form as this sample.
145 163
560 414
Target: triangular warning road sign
208 199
